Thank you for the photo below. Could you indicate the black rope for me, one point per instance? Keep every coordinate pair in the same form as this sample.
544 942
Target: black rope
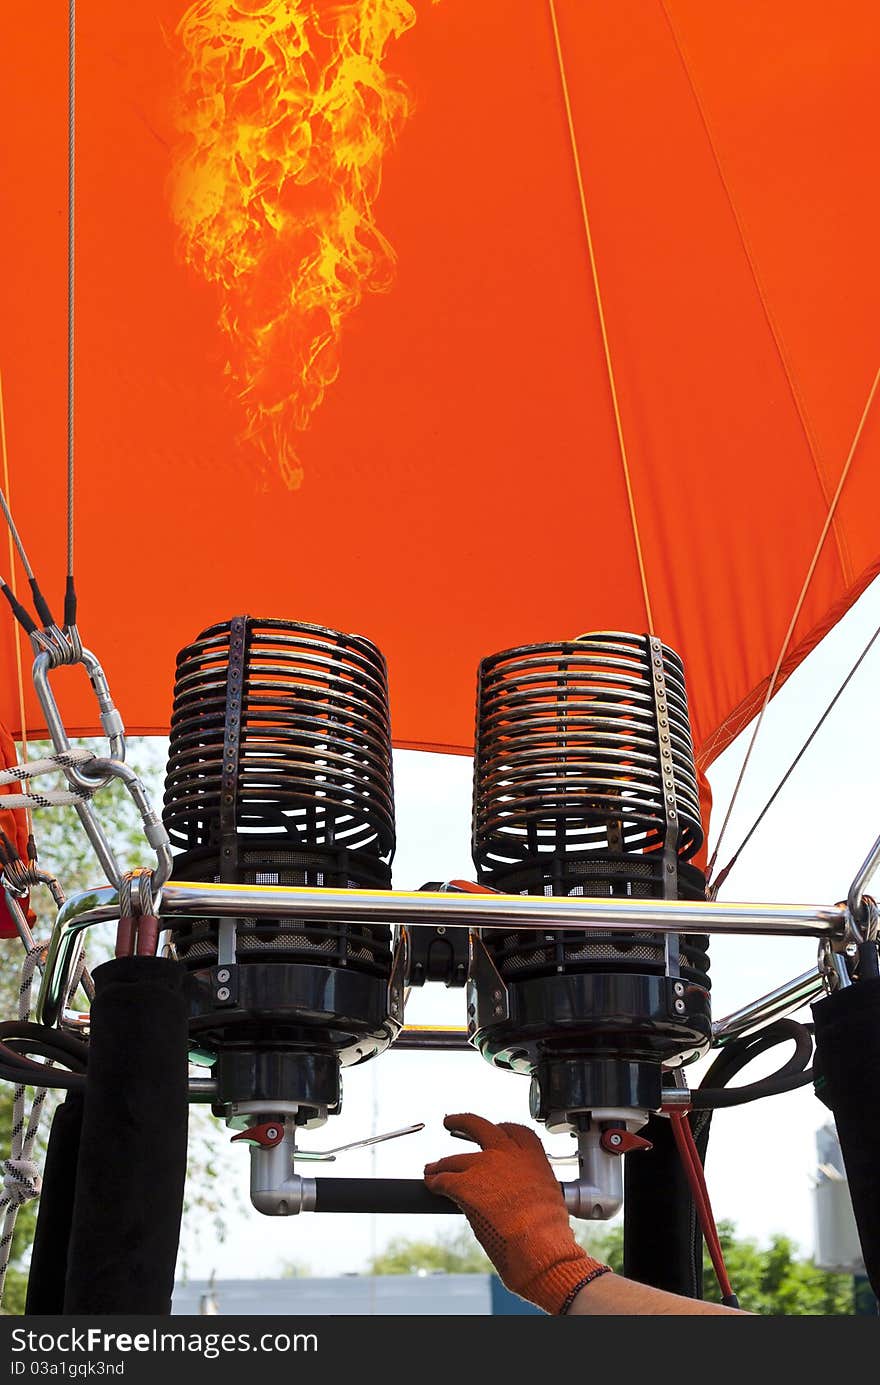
18 1038
713 1093
723 874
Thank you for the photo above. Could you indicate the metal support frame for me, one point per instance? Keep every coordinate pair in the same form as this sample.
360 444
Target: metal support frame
180 899
275 1188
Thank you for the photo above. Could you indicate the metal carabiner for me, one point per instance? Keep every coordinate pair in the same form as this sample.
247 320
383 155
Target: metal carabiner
104 769
154 829
111 720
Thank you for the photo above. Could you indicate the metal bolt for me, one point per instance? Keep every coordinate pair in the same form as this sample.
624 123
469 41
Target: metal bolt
496 995
679 988
223 975
441 929
272 1133
497 1010
223 993
679 1007
670 866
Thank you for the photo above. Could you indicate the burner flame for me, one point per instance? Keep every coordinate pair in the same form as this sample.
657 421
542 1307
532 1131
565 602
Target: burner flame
285 115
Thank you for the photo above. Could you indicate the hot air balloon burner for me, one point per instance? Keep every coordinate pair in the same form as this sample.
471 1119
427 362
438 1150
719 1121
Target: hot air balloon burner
584 784
280 773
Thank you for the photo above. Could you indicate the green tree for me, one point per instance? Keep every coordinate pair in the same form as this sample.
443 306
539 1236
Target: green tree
64 851
455 1252
773 1280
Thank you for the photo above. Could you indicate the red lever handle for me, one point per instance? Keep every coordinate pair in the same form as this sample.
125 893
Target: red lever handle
622 1142
267 1135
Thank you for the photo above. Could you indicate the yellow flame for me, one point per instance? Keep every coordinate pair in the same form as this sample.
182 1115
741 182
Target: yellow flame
285 114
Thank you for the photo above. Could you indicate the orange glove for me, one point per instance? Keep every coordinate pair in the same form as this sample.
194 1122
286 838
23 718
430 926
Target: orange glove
511 1198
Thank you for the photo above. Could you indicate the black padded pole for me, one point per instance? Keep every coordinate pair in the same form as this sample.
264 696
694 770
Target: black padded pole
408 1195
48 1270
846 1075
132 1159
662 1240
403 1195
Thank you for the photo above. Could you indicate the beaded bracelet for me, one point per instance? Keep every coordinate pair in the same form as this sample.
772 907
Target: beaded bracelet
587 1279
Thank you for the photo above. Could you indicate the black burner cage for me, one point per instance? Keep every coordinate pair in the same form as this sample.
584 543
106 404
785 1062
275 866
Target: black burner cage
280 773
584 784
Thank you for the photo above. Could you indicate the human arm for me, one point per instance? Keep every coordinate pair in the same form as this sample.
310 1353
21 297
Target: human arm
512 1200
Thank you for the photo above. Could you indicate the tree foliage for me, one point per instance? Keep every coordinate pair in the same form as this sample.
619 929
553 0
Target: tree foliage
773 1280
455 1252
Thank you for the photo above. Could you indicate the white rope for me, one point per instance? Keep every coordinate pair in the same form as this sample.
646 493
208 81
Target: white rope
21 1176
53 798
49 764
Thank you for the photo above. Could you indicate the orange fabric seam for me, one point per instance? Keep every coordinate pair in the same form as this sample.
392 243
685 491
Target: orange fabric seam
621 442
775 331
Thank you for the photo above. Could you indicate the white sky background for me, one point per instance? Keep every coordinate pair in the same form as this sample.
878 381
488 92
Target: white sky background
761 1156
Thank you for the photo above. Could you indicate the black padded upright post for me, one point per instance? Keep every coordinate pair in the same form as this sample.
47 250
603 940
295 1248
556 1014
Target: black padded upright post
846 1075
662 1240
48 1270
132 1158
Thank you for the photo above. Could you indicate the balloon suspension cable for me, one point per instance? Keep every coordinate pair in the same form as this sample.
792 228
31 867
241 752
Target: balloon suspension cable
19 664
774 679
606 346
65 646
723 874
22 875
70 589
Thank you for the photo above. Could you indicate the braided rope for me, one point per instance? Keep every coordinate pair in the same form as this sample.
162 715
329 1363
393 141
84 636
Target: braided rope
21 1176
52 798
48 764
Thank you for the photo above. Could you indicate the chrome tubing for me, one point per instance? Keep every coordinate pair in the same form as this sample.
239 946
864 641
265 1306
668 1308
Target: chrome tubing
181 898
854 901
782 1001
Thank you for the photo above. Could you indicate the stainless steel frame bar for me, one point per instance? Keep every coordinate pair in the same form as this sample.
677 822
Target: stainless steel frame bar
857 888
791 996
101 905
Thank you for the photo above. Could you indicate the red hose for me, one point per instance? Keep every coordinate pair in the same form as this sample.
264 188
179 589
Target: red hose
693 1168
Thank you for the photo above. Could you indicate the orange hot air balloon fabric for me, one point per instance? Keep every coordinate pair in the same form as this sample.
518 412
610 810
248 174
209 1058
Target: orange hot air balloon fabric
13 821
339 354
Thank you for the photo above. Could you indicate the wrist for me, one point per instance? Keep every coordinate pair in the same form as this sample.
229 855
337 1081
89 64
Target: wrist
588 1278
555 1287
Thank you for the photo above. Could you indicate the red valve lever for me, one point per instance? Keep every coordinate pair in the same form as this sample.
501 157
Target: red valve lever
622 1142
267 1135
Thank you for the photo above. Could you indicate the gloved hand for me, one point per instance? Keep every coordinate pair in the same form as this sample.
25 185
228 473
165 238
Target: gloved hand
510 1196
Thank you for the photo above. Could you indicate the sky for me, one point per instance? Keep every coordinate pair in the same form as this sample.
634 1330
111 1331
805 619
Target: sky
762 1156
